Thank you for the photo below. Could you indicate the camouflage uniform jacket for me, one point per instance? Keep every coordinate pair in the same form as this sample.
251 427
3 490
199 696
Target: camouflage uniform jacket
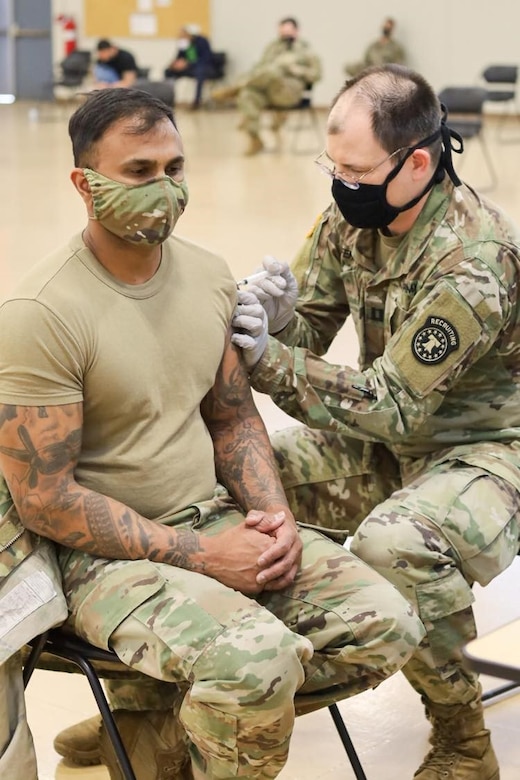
298 60
439 334
381 52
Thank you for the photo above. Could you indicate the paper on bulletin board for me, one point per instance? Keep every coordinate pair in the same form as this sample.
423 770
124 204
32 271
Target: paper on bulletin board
163 2
143 24
144 6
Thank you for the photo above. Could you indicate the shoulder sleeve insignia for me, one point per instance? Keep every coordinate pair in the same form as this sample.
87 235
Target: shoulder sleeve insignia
314 226
434 341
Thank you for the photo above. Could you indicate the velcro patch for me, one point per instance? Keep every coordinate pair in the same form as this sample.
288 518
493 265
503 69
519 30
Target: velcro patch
434 342
314 226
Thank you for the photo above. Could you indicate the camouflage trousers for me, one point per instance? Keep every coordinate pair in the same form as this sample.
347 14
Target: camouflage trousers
17 757
448 524
268 86
249 663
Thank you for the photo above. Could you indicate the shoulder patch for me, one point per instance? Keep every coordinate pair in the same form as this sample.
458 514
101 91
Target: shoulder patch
434 341
431 344
314 226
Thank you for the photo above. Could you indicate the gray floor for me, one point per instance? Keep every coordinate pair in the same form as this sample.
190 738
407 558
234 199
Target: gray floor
242 208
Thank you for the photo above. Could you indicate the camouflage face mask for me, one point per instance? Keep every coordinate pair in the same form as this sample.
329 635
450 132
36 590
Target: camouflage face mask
139 213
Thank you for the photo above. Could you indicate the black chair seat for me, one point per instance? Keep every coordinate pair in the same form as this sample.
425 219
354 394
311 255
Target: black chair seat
163 90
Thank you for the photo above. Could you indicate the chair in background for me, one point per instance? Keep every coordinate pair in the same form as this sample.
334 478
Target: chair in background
305 119
219 67
504 79
160 89
62 644
74 69
143 73
465 116
215 74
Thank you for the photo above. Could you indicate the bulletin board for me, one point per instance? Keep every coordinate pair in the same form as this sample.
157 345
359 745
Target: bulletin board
146 19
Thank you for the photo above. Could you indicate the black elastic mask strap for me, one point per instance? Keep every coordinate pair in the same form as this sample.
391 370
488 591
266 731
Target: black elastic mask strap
447 135
411 149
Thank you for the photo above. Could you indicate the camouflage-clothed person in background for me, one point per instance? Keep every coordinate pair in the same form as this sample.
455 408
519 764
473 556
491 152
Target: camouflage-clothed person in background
124 410
382 51
417 451
286 69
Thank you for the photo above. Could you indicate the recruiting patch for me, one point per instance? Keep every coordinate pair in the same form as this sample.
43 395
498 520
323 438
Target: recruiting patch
430 345
435 340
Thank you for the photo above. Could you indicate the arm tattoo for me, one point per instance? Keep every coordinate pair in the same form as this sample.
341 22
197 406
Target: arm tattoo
243 455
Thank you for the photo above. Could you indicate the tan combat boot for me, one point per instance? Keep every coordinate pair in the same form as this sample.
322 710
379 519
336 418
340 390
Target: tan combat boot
224 94
156 744
461 745
79 744
255 145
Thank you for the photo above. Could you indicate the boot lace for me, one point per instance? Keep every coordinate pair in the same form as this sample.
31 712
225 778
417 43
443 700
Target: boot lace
441 759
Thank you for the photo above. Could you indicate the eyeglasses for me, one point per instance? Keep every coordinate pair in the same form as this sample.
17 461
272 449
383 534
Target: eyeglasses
349 180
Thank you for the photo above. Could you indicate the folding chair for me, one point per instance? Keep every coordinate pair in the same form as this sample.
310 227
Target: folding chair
69 647
503 79
465 115
163 90
306 118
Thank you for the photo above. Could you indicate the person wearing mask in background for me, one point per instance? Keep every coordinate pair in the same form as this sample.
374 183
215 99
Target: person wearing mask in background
416 452
382 51
193 60
286 69
175 542
115 67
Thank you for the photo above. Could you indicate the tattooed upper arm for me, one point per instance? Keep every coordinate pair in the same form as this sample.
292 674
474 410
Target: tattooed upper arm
39 445
231 392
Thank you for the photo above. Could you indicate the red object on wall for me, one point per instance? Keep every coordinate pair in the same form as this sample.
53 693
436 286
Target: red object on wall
70 33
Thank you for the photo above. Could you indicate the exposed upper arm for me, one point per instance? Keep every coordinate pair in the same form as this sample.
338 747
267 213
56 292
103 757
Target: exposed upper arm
128 78
230 398
39 449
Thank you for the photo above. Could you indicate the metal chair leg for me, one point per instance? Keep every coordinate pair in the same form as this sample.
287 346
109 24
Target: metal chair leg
347 742
62 649
494 692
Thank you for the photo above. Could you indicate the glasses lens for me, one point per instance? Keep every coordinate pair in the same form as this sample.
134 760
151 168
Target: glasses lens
351 185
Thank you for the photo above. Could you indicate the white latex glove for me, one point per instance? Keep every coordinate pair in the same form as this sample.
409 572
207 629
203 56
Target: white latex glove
250 328
277 292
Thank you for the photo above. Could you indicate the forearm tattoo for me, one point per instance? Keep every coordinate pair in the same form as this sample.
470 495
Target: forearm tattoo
39 450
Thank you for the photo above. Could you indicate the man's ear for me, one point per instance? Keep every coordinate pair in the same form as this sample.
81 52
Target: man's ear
81 184
421 162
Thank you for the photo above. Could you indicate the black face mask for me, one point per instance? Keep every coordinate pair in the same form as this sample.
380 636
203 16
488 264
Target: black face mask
367 207
289 40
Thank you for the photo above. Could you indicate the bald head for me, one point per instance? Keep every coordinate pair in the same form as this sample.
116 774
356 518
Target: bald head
400 106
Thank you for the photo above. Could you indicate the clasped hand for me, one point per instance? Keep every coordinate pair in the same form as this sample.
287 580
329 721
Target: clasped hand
261 553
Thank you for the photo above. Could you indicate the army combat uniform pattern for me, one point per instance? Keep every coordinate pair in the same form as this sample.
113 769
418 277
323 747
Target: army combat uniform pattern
279 79
378 53
417 451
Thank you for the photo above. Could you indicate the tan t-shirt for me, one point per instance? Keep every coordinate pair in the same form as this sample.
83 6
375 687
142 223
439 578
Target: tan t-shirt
139 357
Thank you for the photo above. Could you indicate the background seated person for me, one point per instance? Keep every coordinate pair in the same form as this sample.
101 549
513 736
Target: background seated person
381 51
286 69
115 67
193 60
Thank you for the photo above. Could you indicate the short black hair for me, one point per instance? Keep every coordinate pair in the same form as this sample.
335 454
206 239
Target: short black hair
102 108
289 20
104 43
